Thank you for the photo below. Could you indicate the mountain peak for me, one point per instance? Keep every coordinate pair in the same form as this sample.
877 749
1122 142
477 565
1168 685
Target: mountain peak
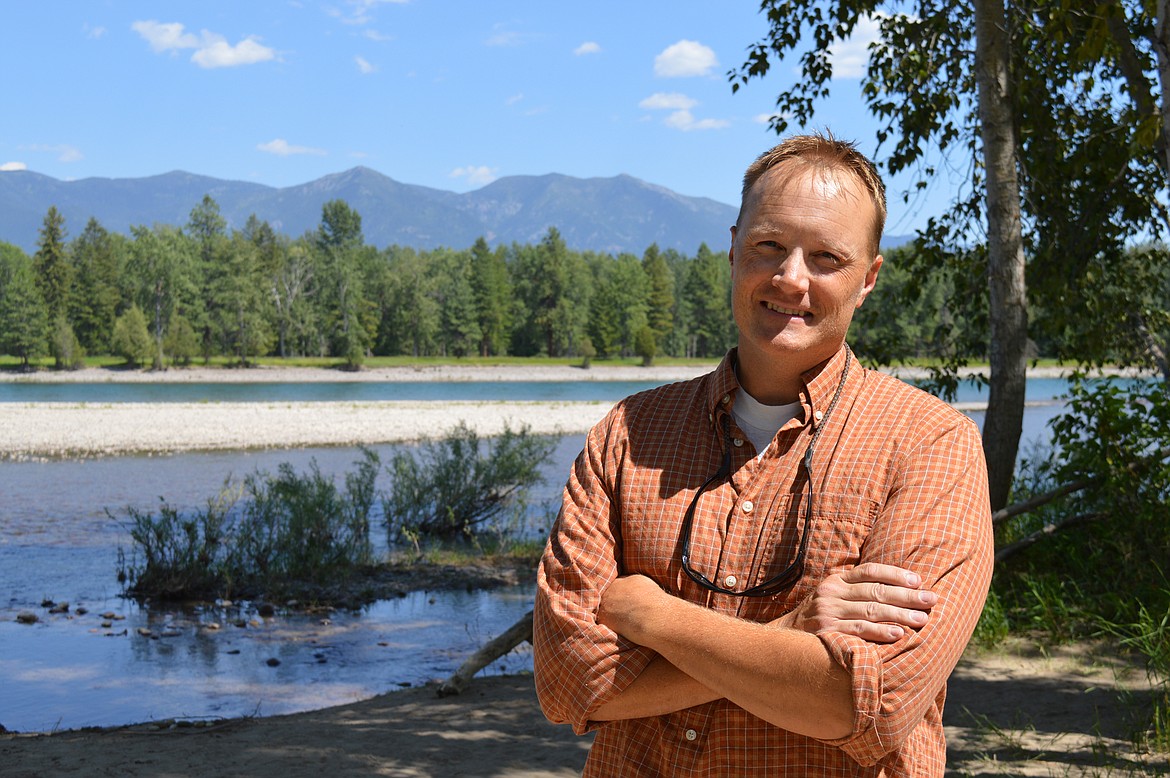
615 214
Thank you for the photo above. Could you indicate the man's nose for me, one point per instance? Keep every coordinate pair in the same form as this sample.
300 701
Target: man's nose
792 272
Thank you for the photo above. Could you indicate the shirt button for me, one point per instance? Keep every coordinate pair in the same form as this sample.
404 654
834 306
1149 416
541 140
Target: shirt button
730 581
818 415
691 734
726 399
738 442
748 505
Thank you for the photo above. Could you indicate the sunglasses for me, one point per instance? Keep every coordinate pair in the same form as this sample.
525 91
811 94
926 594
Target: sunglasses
788 577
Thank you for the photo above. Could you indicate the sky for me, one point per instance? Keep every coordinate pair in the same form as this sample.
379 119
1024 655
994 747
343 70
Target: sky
449 94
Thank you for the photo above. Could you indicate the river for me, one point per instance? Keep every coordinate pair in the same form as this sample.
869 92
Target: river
57 543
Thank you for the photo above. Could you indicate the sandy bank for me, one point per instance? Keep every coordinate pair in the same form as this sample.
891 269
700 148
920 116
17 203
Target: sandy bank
86 429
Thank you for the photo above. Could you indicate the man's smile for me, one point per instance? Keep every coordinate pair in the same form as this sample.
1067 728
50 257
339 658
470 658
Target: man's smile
786 311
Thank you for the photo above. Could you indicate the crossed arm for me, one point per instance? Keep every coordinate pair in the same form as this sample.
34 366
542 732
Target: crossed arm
703 655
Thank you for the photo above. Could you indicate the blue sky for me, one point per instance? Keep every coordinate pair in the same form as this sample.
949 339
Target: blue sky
449 95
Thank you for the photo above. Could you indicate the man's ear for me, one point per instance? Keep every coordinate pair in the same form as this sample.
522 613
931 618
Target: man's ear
870 279
731 251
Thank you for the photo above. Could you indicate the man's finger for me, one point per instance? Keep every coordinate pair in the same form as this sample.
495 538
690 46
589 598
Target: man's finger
876 572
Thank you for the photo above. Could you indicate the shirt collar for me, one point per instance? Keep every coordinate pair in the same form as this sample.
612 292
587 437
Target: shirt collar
820 384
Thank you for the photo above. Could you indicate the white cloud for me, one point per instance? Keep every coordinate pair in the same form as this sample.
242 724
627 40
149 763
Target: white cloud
765 118
93 32
360 10
588 47
64 152
514 99
13 166
476 175
668 101
680 117
377 37
850 57
211 49
164 37
684 120
217 53
283 148
685 58
364 66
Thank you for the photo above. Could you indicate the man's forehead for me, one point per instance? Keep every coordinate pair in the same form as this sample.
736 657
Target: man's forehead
804 178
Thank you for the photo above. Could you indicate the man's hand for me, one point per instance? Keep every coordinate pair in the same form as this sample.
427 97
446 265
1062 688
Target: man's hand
873 601
625 604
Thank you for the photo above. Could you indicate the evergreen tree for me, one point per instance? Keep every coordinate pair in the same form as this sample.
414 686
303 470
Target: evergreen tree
53 272
410 317
709 290
97 295
659 294
553 285
618 305
24 317
348 311
238 288
208 229
461 334
493 297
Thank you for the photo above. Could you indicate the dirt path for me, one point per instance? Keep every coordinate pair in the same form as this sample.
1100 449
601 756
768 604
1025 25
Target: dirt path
1019 711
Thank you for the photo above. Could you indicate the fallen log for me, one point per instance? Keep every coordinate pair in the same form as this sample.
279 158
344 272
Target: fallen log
520 632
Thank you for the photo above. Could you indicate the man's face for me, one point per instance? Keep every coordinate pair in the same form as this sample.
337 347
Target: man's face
801 263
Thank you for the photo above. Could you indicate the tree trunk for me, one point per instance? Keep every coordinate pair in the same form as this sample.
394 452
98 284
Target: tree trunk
1162 51
1005 251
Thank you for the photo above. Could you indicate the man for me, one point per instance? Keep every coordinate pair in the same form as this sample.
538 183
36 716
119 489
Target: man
731 588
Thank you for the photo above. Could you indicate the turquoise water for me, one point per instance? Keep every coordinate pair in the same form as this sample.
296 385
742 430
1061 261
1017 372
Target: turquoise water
1038 390
342 391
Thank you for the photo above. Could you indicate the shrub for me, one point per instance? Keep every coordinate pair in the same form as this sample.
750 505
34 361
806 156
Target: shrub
460 485
131 340
67 351
274 534
181 342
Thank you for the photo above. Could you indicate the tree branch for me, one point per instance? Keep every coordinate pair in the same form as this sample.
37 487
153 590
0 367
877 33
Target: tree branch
1003 514
1049 529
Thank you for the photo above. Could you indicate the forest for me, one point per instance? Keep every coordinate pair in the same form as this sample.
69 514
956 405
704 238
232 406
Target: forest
166 296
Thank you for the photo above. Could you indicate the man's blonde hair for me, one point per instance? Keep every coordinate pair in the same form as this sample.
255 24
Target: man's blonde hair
828 153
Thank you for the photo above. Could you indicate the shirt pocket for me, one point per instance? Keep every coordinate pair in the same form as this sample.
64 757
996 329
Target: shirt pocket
841 522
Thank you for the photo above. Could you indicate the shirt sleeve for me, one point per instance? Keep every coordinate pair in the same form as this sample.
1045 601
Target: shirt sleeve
936 522
578 663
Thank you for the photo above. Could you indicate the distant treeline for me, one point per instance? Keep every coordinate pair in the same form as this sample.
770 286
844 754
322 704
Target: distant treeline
166 295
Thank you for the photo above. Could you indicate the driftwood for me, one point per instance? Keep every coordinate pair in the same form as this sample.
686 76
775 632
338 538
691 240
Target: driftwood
1003 553
518 633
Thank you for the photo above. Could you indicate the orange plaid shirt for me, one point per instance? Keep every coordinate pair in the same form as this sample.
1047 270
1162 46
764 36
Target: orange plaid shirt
899 478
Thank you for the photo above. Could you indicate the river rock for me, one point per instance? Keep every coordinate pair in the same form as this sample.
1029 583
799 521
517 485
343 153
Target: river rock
26 617
272 662
61 607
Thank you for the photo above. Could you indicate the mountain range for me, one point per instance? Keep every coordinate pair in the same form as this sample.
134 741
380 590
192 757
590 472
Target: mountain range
609 215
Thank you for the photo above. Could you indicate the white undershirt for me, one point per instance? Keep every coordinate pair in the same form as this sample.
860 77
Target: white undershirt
761 422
